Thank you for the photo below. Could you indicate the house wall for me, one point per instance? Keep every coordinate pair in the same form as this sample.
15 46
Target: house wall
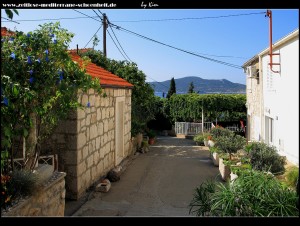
281 99
253 104
85 142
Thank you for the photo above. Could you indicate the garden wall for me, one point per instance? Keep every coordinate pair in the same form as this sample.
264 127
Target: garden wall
47 201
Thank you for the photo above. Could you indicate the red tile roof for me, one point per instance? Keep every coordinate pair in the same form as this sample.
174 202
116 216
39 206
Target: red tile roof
106 78
5 32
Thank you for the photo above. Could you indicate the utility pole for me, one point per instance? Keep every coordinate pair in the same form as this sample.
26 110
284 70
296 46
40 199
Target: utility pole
104 33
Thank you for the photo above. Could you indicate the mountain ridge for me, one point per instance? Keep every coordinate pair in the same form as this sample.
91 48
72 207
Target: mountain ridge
202 86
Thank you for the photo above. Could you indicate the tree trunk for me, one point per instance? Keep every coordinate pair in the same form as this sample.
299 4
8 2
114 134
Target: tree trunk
31 142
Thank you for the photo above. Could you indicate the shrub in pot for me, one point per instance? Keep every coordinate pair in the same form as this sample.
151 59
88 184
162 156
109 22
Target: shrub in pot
265 158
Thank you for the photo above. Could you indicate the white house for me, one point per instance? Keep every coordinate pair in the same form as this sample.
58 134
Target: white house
273 97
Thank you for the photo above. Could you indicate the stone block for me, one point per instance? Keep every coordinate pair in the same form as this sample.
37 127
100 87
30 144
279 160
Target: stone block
107 113
81 141
93 131
88 134
105 125
103 186
71 142
85 152
91 92
90 161
103 115
100 128
111 124
88 120
96 157
105 138
98 114
98 143
93 118
102 153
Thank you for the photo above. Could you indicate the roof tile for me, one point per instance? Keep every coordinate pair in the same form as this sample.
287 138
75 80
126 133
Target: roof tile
106 78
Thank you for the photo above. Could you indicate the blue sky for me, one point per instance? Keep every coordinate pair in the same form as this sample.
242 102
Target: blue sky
240 37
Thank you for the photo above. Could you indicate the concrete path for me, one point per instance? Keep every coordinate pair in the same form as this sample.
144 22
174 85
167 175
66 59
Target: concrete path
158 183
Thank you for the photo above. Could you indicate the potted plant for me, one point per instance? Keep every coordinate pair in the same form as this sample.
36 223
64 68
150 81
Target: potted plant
199 139
228 145
214 154
210 142
151 134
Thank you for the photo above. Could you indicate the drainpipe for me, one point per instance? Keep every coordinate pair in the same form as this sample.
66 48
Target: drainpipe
269 14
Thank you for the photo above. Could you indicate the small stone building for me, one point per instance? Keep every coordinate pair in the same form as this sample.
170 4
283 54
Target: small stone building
97 138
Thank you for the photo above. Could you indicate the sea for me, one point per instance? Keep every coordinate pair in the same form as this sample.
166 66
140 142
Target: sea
164 94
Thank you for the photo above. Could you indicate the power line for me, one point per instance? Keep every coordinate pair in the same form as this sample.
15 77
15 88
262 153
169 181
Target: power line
8 20
118 40
86 15
93 36
189 18
116 45
179 49
63 18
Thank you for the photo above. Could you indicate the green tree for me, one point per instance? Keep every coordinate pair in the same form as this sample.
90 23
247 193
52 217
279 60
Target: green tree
95 41
10 13
191 88
39 87
172 88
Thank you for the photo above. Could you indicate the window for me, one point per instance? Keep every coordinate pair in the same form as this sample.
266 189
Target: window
269 130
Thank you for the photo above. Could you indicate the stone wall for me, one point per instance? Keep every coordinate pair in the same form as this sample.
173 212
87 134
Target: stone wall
85 143
253 104
48 201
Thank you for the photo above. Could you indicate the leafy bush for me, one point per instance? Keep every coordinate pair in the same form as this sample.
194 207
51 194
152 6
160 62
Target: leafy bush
231 143
39 86
202 199
265 158
200 137
291 177
151 134
219 131
18 184
188 107
253 193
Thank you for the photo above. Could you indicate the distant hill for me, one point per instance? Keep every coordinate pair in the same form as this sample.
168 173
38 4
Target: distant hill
200 85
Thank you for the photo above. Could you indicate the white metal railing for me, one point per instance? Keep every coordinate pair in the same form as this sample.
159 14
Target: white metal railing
191 128
19 163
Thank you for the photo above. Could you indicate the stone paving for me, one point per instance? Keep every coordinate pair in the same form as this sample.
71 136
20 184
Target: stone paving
160 182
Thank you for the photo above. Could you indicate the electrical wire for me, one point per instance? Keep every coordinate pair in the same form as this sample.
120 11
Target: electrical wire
63 18
8 20
93 36
179 49
86 15
117 45
118 40
188 18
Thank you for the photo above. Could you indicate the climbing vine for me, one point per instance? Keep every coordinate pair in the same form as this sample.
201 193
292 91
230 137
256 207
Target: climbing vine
39 84
188 107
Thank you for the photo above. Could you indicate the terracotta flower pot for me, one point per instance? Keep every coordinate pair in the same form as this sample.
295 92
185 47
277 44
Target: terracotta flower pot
151 141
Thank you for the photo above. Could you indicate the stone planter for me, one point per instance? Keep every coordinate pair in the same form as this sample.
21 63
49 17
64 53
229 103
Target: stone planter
224 170
205 143
215 158
210 143
233 176
49 200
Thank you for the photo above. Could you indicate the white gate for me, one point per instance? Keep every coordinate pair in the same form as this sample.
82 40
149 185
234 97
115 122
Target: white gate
191 128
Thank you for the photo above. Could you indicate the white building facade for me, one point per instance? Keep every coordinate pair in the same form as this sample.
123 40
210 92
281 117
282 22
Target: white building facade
273 97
